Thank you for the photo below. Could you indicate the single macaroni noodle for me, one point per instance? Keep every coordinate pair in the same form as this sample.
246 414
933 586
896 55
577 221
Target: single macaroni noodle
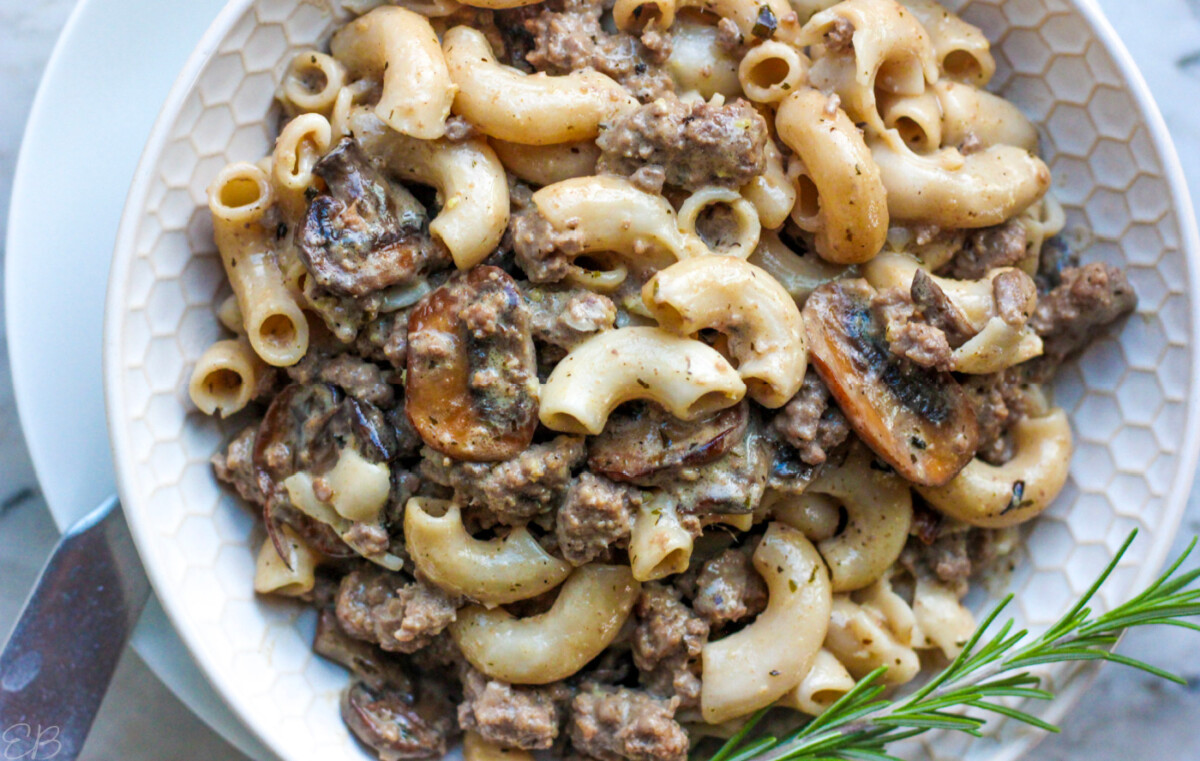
491 572
587 616
400 49
531 109
684 375
753 668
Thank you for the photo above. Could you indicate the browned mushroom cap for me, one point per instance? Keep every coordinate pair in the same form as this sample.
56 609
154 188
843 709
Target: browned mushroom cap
642 439
285 432
367 232
917 419
395 726
379 670
306 428
472 372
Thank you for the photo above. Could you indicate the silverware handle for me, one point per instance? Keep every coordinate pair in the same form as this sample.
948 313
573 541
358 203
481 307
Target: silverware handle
57 664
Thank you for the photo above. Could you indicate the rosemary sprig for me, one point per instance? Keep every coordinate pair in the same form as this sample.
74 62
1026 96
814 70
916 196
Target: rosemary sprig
862 724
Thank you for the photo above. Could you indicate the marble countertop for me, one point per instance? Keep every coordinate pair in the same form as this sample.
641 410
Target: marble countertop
1125 715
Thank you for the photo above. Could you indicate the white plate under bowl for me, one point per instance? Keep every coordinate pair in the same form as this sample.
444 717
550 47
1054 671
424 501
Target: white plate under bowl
124 52
1132 398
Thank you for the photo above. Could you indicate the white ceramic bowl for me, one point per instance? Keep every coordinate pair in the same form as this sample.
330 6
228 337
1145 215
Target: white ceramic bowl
1132 398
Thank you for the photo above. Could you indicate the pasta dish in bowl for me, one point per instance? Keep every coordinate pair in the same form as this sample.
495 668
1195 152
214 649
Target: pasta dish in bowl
599 374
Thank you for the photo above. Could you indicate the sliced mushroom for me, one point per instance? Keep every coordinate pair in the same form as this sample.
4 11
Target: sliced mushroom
377 669
296 417
397 727
367 233
472 371
939 310
917 419
733 484
306 428
643 439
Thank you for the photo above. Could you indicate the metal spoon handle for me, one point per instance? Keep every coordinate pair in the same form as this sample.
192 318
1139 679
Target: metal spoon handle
57 665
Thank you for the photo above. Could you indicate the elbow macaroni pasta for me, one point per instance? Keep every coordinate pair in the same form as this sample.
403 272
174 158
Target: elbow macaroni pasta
699 66
988 118
997 496
825 683
587 616
771 71
917 119
879 512
313 82
659 546
744 215
851 218
300 146
492 572
962 52
862 639
468 176
225 377
951 190
400 49
275 325
772 192
294 576
762 322
942 622
548 164
685 376
608 214
530 109
891 52
753 668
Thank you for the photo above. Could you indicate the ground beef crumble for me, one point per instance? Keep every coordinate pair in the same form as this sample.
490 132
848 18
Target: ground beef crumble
514 491
952 552
235 466
529 718
1087 299
667 643
543 253
614 724
574 39
1014 293
986 249
565 317
596 514
1001 400
399 615
810 422
839 38
385 339
728 589
908 334
696 144
359 378
922 344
